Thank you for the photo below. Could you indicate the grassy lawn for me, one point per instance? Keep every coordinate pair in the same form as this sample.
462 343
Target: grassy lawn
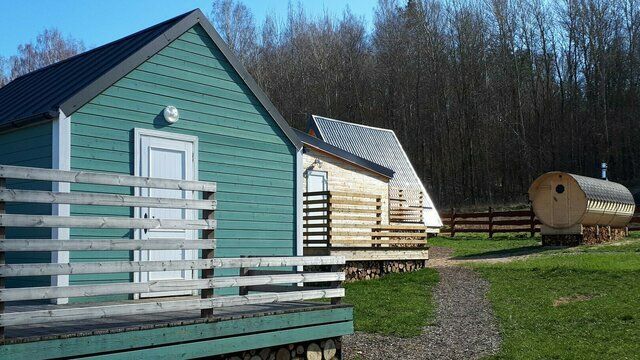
578 303
466 245
396 304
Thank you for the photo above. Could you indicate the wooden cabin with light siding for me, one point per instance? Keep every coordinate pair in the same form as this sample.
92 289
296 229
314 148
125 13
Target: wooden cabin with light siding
173 102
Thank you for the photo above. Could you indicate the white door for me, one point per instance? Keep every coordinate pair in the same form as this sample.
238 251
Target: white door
169 156
317 181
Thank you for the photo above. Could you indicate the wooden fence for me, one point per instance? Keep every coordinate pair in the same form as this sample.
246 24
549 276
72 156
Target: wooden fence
203 285
354 220
490 222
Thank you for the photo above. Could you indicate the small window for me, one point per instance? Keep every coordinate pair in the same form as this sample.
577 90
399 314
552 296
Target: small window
560 189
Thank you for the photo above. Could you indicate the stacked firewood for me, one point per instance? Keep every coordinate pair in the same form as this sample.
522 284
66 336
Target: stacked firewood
328 349
365 270
590 235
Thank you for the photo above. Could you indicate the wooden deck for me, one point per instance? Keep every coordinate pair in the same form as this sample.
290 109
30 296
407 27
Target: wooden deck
119 324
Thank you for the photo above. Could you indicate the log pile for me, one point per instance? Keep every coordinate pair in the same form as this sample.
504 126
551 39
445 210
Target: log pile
591 235
365 270
327 349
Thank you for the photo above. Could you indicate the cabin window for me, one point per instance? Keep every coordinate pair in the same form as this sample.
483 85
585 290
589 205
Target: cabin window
560 189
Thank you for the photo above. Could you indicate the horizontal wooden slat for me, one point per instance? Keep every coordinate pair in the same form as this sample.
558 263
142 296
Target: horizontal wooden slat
316 217
11 270
49 221
353 195
377 242
353 218
514 213
468 222
314 226
96 312
315 233
376 234
105 244
316 193
51 292
313 210
28 173
312 202
357 211
514 222
354 202
50 197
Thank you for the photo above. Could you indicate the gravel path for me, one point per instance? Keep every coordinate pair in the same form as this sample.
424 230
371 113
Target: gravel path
464 327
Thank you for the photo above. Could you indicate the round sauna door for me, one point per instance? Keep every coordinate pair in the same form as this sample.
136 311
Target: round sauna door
560 200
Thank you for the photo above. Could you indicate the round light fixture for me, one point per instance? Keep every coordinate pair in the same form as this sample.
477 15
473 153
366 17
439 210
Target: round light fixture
171 114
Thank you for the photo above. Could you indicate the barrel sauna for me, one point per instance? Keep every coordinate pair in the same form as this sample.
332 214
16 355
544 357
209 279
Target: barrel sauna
576 209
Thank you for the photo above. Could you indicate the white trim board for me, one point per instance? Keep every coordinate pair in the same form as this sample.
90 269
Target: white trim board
60 160
299 204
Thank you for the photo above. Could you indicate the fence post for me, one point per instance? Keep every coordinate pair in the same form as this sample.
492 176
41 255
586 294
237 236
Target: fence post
329 215
207 254
533 222
243 290
378 220
453 222
336 284
2 256
490 222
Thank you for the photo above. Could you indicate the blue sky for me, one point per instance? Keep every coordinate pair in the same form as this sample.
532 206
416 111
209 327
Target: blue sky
97 22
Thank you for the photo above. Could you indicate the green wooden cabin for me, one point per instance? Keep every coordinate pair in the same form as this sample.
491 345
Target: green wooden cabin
169 101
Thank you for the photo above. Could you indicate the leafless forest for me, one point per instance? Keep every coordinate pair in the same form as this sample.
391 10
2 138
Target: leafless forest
485 95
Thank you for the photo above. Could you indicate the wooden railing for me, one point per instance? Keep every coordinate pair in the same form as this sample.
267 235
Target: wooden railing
406 206
341 219
490 222
206 302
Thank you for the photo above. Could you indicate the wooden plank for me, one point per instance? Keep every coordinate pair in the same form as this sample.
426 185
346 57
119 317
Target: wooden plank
353 218
316 217
79 198
313 202
28 173
49 221
377 234
105 244
512 213
356 211
12 270
74 347
316 193
334 201
512 222
100 312
312 210
376 242
353 195
471 222
52 292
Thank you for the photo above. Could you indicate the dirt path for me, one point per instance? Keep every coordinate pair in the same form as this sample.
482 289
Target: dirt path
464 327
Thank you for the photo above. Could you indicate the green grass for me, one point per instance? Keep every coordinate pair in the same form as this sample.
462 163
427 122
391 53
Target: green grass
578 303
468 245
396 304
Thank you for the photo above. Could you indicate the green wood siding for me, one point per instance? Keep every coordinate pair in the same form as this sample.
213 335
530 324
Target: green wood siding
240 147
28 146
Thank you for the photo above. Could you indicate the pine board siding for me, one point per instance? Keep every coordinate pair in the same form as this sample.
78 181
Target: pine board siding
28 146
240 147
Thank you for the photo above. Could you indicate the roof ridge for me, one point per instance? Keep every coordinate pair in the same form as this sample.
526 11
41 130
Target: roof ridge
350 123
84 53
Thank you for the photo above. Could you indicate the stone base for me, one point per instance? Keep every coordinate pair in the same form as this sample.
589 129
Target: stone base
325 349
591 235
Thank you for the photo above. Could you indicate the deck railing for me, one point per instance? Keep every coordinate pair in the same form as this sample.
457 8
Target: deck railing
342 219
490 222
406 206
249 281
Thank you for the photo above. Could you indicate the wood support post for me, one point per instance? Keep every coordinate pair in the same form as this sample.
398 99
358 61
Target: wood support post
453 222
490 222
244 271
533 222
2 256
329 212
378 221
207 254
336 284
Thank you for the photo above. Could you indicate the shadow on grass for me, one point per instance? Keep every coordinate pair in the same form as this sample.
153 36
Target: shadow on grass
520 251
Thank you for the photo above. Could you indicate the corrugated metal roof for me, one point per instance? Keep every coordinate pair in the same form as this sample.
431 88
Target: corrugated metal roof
43 91
309 140
603 190
380 146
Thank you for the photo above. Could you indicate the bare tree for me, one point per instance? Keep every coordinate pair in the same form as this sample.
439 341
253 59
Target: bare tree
50 47
234 21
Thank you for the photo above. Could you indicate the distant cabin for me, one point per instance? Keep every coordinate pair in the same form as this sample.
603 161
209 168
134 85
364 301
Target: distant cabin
369 160
111 109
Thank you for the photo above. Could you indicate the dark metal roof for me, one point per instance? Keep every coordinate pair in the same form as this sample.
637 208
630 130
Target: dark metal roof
69 84
314 142
603 190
